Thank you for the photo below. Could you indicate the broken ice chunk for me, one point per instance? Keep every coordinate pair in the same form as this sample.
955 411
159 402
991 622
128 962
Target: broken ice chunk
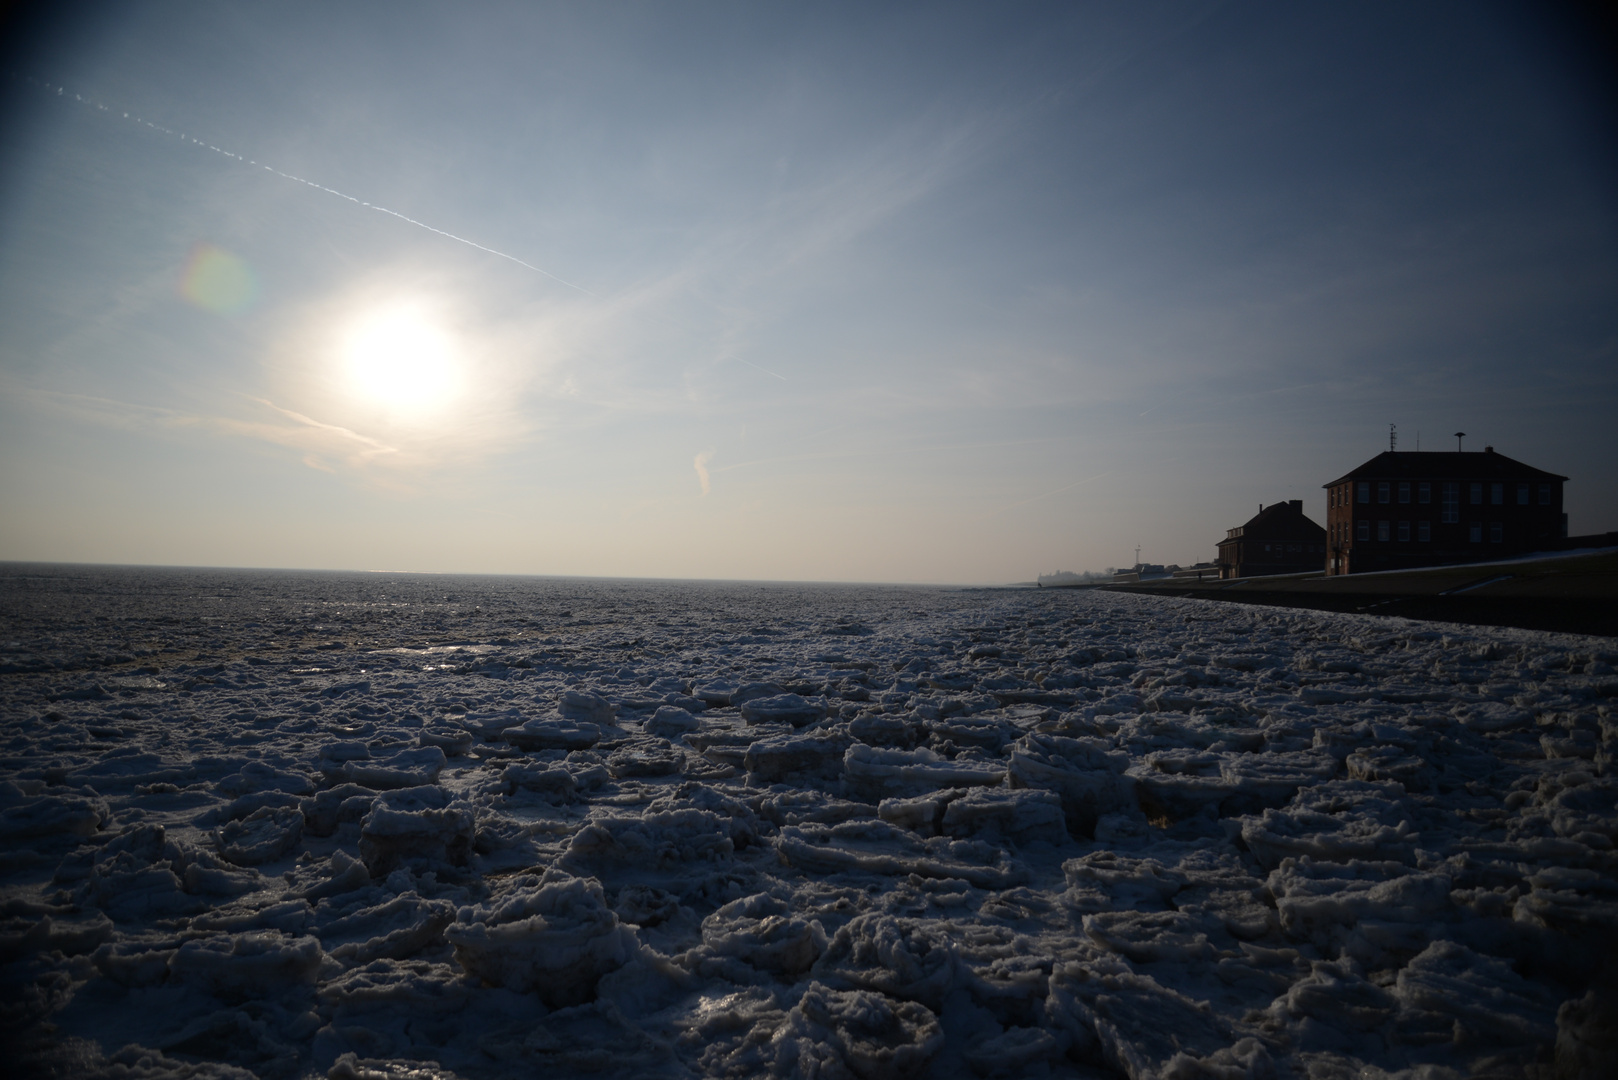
393 930
1368 908
553 936
1483 996
873 773
746 692
553 783
907 958
1021 816
588 707
874 1036
24 818
784 709
1011 1053
407 768
761 930
419 828
1086 774
1146 1030
1337 995
263 836
671 722
1342 820
1150 936
1184 782
454 741
645 758
770 760
654 841
877 847
239 967
553 733
1118 881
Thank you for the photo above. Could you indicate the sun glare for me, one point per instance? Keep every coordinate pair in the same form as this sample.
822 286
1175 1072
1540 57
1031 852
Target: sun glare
401 359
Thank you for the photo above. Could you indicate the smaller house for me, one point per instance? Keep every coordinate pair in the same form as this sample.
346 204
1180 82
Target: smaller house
1277 540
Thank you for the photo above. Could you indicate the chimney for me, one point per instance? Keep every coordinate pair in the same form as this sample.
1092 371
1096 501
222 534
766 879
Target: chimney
1488 449
1296 504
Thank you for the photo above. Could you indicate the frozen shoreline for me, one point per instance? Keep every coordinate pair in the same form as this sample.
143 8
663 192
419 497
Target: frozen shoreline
291 824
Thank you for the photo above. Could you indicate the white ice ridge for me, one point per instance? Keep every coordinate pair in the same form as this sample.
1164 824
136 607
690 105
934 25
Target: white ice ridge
280 826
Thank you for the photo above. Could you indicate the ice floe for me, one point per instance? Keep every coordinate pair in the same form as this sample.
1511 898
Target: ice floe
378 826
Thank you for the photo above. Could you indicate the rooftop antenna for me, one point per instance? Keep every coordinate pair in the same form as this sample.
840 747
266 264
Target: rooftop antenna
1459 435
1418 440
1393 437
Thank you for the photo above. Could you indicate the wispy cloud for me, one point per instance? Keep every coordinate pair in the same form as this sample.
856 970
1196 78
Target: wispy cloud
701 464
320 445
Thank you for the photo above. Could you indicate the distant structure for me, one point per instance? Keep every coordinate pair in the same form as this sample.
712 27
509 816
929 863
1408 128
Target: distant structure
1144 571
1067 579
1277 540
1408 509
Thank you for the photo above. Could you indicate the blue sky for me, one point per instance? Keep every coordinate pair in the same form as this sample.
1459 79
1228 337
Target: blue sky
865 292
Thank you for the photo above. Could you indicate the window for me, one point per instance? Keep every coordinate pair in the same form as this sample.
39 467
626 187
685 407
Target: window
1496 533
1404 530
1365 530
1404 491
1424 531
1382 530
1365 491
1497 493
1452 503
1544 494
1382 491
1424 493
1522 494
1474 532
1477 493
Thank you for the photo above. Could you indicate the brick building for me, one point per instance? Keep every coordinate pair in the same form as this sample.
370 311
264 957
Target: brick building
1428 508
1277 540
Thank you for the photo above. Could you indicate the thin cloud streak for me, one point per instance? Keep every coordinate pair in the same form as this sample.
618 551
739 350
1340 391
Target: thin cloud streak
841 454
243 159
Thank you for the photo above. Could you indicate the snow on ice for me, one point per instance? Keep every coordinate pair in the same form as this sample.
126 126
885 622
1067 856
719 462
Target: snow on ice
288 825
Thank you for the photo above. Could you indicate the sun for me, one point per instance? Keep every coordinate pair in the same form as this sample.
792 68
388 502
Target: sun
401 358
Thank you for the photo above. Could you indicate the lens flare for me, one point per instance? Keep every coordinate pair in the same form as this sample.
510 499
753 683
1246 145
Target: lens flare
217 281
402 359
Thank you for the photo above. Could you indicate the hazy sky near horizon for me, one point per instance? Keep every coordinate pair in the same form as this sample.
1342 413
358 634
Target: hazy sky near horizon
945 293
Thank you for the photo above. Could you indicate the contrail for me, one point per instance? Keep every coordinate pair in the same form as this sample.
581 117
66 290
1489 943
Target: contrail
765 370
62 92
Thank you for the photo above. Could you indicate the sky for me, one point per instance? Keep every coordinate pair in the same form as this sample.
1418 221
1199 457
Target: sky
867 292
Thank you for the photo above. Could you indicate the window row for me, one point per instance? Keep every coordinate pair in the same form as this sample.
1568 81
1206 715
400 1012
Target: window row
1421 492
1390 530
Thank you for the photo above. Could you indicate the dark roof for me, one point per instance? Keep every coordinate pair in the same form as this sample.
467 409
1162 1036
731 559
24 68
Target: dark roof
1445 465
1282 520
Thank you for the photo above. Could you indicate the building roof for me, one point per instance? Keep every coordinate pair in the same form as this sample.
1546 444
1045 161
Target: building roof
1283 521
1445 465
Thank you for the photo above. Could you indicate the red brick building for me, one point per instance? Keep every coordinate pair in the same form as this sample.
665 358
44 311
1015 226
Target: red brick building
1428 508
1277 540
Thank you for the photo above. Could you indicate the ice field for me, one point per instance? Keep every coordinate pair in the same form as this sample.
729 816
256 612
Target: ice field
287 825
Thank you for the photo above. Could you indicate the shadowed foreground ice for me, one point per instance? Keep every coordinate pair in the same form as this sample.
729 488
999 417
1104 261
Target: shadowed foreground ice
385 826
